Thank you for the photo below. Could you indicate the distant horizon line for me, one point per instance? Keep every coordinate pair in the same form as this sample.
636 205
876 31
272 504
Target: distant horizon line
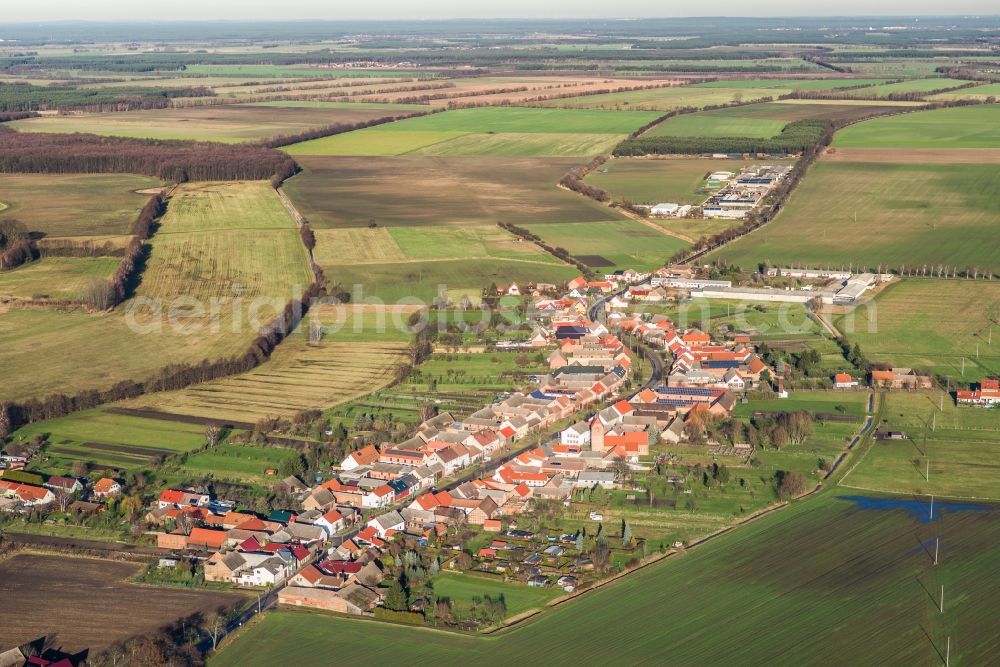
578 19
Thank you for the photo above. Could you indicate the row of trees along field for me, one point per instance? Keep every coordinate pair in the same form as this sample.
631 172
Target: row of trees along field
336 128
177 161
795 137
171 377
873 94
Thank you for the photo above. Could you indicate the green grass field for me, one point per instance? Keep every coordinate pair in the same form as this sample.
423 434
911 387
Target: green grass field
225 123
663 99
61 278
974 93
621 243
763 120
962 447
353 192
783 84
424 280
819 564
893 214
932 325
110 440
498 131
911 86
424 242
826 402
74 204
959 127
461 588
707 124
237 463
216 241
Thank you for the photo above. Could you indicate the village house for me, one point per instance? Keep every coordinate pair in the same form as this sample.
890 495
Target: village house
179 498
901 378
27 495
105 488
66 485
363 457
844 381
987 394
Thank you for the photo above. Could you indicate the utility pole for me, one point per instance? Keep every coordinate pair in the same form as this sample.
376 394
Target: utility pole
927 477
934 422
963 366
942 598
937 546
947 653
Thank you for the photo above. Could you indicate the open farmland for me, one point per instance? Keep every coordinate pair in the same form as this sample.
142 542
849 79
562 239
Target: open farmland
618 243
960 127
663 99
974 93
216 241
222 241
962 444
763 120
82 601
229 124
932 325
788 83
799 568
60 278
298 376
912 86
106 439
352 192
424 280
359 352
425 242
74 204
507 131
893 214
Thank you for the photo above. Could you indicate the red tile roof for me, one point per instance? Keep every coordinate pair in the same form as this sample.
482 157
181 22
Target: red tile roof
213 539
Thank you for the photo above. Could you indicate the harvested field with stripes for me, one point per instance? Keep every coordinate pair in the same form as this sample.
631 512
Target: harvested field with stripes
352 360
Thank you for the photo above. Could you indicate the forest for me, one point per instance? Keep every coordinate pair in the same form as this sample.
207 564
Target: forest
178 161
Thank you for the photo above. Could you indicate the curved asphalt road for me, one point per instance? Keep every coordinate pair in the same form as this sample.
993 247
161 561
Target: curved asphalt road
656 363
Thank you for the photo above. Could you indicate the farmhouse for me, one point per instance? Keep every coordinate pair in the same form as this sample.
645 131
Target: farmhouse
901 378
106 488
844 381
352 599
986 395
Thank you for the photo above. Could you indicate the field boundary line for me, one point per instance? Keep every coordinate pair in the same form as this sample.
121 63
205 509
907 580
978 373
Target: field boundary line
635 218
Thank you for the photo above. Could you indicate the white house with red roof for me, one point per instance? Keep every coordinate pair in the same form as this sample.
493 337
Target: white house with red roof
180 498
986 395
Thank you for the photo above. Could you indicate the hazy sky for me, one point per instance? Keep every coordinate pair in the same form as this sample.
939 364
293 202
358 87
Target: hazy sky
98 10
